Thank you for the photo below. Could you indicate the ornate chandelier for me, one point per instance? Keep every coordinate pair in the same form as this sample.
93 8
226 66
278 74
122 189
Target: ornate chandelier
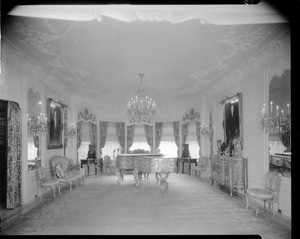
141 108
280 122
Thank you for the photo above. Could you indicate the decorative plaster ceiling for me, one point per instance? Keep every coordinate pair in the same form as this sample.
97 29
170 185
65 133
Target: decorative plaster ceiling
102 59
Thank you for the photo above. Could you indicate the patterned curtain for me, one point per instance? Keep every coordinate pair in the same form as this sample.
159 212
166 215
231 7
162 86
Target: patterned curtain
65 129
185 132
36 143
158 133
198 133
120 132
130 136
176 136
79 134
93 133
149 134
103 134
14 180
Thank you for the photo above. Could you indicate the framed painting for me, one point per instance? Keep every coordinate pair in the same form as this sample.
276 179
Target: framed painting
232 123
55 124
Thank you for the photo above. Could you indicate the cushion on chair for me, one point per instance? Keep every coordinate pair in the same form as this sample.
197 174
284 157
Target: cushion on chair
260 193
74 167
59 172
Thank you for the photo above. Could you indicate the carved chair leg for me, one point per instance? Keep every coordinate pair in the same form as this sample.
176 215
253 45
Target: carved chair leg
247 199
53 188
257 205
58 185
119 175
70 185
156 176
136 177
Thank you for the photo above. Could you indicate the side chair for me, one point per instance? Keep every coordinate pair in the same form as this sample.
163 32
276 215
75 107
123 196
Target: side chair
269 193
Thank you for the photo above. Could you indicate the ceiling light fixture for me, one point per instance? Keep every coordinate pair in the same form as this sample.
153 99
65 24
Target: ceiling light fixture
141 108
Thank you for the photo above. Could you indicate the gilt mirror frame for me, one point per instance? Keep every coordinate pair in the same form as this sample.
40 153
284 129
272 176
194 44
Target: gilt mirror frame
55 124
233 117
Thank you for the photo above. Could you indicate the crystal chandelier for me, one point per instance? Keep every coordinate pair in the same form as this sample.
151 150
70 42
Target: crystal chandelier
37 125
141 108
280 122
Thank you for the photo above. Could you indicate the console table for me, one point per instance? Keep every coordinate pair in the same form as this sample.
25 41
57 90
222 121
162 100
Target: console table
229 171
185 160
96 162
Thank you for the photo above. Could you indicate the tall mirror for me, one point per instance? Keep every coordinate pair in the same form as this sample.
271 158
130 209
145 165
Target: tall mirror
280 134
33 114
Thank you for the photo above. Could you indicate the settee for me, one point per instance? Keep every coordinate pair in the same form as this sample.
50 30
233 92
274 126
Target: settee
66 171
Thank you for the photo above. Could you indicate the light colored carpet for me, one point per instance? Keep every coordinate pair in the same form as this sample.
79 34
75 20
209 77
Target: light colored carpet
100 206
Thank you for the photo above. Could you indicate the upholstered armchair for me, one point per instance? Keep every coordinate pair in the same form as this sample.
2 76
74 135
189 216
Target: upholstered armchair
46 181
269 193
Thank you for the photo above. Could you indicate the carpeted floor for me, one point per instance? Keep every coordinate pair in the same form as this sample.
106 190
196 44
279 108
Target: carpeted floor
100 206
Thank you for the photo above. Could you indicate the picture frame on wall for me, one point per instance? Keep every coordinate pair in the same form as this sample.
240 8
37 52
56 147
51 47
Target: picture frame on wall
232 123
55 124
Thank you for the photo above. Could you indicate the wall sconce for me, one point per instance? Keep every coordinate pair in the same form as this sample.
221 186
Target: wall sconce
70 131
205 130
37 125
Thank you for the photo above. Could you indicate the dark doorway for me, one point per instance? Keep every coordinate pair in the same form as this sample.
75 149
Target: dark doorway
3 151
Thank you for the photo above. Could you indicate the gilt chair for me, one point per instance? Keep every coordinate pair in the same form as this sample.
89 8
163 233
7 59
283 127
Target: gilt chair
201 168
47 181
269 193
106 164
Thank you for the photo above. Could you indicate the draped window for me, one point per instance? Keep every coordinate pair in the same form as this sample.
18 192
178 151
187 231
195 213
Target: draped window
185 132
158 133
14 137
167 145
79 134
149 134
198 134
130 136
120 131
176 136
103 134
65 129
93 133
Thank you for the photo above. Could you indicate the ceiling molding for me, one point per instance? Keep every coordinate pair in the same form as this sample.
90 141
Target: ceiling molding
30 67
272 50
214 14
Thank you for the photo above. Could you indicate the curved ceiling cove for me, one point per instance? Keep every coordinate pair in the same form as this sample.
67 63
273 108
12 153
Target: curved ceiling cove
114 52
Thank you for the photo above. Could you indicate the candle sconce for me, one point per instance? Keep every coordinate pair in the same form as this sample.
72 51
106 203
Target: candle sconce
279 122
205 130
70 131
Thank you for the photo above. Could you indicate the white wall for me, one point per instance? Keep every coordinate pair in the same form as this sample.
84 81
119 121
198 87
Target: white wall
18 75
254 89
